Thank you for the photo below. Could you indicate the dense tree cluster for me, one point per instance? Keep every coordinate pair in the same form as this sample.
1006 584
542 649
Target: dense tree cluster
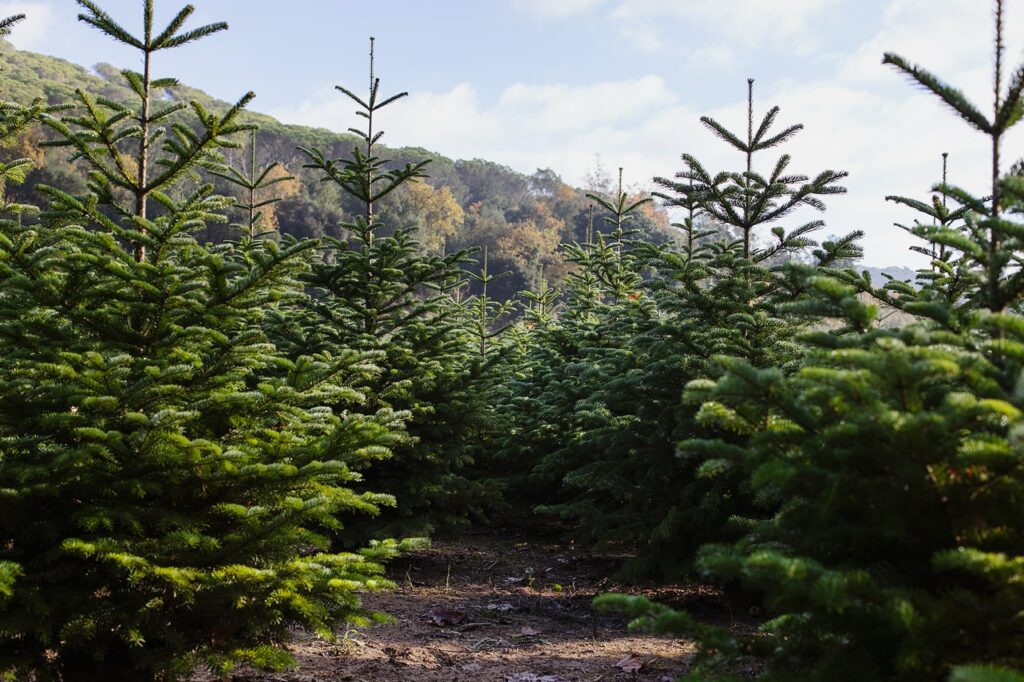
246 364
885 465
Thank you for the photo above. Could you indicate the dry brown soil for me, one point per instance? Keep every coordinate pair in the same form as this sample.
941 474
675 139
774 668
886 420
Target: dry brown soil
505 607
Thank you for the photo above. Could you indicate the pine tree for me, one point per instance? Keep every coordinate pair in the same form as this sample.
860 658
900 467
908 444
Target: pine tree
168 480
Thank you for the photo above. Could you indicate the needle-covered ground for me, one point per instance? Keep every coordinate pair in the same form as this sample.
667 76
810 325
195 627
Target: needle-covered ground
509 606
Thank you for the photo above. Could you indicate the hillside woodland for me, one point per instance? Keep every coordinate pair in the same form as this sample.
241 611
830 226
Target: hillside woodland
249 366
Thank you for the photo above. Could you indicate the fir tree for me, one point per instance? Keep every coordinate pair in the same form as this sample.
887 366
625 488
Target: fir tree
488 315
605 411
747 199
992 240
891 464
951 277
376 291
254 183
167 479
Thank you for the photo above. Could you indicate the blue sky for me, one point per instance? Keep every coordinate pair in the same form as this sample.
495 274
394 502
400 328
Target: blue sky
568 84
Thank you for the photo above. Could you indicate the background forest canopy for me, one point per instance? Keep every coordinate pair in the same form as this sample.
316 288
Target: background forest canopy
520 219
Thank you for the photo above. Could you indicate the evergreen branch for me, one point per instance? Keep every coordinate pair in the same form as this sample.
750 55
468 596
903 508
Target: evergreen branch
1012 108
723 133
175 24
915 204
266 171
766 123
979 205
353 96
197 149
780 168
7 23
99 19
134 81
164 83
780 138
389 100
167 111
951 96
194 35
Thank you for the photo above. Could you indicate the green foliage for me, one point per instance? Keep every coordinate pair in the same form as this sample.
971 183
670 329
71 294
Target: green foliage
890 462
254 184
597 409
379 293
984 673
168 479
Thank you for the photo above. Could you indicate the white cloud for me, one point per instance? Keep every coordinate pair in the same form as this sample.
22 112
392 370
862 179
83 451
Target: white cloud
864 119
557 9
714 57
953 39
36 30
748 23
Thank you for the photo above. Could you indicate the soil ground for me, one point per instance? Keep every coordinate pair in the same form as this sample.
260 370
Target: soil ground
498 606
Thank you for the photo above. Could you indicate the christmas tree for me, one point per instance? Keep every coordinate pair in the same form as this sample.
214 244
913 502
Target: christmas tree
168 480
376 291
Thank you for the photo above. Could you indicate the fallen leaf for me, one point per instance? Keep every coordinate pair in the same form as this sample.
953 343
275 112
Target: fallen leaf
443 617
630 664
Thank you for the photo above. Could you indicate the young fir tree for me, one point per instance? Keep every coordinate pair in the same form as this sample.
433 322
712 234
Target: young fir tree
950 276
747 199
376 291
166 477
489 317
893 461
556 369
612 412
254 182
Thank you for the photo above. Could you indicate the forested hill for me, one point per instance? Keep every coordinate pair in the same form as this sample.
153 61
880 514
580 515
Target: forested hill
521 219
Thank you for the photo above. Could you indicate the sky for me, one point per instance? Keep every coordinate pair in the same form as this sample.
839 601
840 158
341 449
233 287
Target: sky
573 84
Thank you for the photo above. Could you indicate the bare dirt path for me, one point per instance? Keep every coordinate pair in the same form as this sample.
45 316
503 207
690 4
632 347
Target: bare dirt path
507 607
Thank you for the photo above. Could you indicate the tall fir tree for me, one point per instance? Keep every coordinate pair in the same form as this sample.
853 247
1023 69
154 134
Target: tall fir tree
376 291
167 478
